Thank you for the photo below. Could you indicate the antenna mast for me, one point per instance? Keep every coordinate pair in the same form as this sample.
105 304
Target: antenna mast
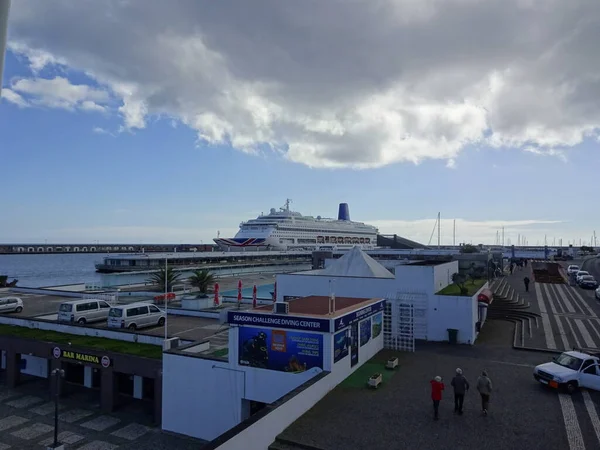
454 234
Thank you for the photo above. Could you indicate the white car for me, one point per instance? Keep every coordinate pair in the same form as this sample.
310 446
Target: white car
11 304
582 273
572 269
570 370
598 293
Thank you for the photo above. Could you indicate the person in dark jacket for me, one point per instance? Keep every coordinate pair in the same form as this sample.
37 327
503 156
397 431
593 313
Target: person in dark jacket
526 281
461 386
484 386
436 395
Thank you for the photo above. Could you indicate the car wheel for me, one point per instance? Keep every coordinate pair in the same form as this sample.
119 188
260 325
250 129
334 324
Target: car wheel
133 327
161 321
19 309
571 387
81 321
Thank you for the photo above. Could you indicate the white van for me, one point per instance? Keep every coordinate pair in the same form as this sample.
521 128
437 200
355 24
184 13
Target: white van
83 311
135 315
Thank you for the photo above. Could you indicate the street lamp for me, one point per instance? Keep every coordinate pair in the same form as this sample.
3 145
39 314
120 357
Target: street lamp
58 374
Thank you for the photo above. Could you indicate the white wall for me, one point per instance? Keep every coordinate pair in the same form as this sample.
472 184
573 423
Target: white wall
449 311
262 433
201 398
305 285
35 366
442 275
264 385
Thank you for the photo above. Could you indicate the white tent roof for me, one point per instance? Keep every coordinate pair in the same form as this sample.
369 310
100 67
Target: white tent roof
355 263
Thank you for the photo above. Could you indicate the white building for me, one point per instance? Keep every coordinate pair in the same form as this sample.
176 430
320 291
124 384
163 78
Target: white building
411 291
308 350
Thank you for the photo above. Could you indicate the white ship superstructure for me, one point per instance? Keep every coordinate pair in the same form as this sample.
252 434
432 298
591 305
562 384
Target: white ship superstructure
290 230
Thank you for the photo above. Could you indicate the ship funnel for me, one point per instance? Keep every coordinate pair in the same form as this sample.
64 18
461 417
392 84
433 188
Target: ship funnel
344 212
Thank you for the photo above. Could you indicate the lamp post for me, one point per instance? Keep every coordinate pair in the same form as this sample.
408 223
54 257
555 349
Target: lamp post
58 374
166 293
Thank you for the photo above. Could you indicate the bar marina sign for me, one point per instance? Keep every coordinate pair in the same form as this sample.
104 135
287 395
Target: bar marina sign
104 361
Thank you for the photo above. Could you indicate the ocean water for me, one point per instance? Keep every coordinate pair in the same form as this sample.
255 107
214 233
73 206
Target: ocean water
50 270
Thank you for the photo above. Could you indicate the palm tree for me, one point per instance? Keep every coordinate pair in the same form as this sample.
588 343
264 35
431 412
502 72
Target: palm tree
202 279
160 279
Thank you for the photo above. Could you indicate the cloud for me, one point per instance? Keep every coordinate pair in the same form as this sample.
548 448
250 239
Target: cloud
360 84
477 232
13 97
59 92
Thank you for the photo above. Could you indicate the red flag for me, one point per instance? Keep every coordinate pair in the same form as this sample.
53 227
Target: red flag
216 294
254 296
240 291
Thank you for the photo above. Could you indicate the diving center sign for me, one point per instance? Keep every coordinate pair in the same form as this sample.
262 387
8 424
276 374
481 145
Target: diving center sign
347 320
103 361
279 321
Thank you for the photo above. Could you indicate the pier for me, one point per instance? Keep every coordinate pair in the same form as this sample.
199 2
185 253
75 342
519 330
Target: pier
96 247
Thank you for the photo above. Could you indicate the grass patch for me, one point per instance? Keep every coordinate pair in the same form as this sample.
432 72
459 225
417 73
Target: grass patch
472 288
358 380
90 342
221 353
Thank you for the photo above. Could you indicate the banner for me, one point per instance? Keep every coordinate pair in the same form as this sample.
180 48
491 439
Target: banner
354 344
349 319
377 325
340 345
281 350
365 331
279 321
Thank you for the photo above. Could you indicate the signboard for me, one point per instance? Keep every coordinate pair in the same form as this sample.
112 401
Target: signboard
69 355
354 344
365 331
341 343
279 321
377 325
353 317
284 351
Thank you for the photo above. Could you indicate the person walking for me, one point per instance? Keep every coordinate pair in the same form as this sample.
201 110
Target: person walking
484 386
436 395
526 281
461 386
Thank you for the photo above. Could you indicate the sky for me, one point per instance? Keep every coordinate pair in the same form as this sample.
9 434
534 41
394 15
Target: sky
129 121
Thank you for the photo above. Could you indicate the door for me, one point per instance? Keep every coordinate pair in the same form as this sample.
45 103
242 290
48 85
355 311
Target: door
154 314
589 377
3 305
104 309
144 317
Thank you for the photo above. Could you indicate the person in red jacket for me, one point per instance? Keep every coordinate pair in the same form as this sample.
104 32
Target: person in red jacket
436 395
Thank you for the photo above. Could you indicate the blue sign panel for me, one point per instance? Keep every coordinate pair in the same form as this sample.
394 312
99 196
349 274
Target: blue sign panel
279 321
284 351
349 319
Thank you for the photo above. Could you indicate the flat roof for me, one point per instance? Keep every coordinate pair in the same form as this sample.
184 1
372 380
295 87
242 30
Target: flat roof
318 305
428 262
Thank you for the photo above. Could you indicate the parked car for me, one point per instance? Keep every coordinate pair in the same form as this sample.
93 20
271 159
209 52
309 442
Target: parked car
570 370
582 273
136 315
573 269
597 294
83 311
588 282
11 304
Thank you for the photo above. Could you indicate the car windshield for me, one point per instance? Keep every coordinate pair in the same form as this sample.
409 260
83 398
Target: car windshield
115 312
574 267
66 308
569 361
587 278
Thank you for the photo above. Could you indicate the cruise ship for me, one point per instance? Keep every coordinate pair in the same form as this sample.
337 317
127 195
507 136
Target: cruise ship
289 230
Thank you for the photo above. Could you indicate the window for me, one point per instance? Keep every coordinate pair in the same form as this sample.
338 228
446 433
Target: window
104 305
589 367
115 312
65 307
154 309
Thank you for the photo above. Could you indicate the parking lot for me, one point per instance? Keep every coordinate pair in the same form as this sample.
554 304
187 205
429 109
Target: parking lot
186 327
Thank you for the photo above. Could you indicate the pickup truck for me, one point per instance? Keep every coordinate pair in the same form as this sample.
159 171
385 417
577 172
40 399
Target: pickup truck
570 370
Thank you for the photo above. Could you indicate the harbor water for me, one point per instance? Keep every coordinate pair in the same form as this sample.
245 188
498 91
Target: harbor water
50 270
